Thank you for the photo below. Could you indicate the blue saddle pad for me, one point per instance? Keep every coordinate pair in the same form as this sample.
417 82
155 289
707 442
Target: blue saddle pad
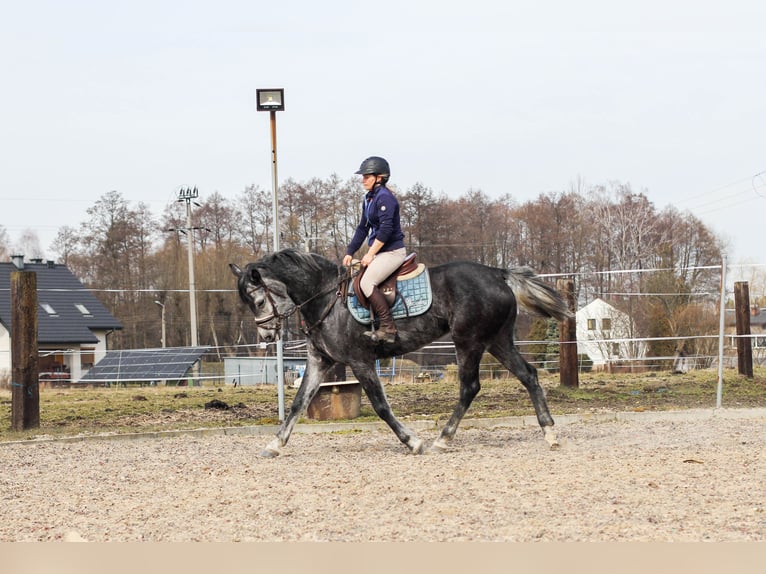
413 298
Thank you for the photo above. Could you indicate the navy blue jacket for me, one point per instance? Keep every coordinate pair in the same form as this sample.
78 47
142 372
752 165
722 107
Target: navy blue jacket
380 219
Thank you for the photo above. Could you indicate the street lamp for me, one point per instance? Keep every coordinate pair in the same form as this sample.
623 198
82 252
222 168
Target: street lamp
163 321
273 100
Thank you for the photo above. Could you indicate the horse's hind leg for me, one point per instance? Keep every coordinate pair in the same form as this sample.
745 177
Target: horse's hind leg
468 371
374 390
507 353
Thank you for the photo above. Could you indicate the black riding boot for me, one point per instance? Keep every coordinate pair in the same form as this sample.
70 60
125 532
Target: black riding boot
386 331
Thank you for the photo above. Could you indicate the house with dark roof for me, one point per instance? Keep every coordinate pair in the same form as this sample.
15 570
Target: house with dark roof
72 324
757 327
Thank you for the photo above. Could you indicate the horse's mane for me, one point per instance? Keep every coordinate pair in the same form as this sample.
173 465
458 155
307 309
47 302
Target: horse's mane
290 258
297 266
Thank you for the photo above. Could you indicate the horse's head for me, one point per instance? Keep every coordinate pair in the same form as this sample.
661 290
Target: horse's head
267 299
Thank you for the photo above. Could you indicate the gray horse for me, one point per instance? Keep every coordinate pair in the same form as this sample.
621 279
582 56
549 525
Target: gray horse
474 303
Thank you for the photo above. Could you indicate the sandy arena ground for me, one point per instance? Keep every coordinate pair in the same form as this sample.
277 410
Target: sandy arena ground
650 478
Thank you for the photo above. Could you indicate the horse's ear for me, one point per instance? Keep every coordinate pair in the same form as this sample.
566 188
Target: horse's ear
255 277
235 269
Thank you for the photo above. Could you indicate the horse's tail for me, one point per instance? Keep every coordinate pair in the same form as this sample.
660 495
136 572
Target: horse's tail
536 295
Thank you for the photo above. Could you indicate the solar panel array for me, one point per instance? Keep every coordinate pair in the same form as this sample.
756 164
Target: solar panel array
145 364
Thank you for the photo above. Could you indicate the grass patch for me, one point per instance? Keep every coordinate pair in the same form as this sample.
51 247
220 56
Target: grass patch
67 412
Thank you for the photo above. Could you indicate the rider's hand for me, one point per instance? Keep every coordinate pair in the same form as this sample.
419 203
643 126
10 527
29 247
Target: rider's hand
367 259
347 260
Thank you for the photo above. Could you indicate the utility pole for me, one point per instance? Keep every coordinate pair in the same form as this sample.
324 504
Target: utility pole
188 195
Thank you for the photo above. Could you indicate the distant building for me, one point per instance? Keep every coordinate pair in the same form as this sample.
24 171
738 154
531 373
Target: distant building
72 324
606 334
757 328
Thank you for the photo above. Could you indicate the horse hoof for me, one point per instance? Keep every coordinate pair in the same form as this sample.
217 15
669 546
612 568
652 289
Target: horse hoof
268 453
439 446
552 439
271 450
418 447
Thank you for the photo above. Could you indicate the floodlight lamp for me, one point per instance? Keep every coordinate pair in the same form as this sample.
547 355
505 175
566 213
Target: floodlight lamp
271 100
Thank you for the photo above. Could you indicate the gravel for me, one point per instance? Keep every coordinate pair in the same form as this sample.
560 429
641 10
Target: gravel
652 478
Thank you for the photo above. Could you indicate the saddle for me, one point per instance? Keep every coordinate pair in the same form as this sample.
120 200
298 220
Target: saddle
409 269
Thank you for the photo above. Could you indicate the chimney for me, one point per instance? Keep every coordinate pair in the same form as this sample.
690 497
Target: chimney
50 263
18 261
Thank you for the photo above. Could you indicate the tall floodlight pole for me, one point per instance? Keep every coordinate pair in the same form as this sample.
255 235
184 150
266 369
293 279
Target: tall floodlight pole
273 101
188 195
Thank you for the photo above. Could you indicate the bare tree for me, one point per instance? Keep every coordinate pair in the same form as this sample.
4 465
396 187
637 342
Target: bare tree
66 243
5 244
215 221
29 244
416 208
254 219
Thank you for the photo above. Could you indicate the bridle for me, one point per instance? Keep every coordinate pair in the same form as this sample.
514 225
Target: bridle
339 288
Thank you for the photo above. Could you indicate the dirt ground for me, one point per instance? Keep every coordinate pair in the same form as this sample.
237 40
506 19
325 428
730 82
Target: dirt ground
651 478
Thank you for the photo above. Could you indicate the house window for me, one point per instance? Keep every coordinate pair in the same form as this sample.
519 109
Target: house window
615 349
591 324
87 357
48 309
83 309
606 324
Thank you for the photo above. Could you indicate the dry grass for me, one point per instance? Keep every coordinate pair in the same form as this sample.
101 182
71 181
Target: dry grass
66 412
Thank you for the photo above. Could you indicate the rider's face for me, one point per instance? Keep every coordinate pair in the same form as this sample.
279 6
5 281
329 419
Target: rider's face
368 180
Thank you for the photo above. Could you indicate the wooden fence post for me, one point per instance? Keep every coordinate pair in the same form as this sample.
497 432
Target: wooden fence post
744 343
25 393
568 369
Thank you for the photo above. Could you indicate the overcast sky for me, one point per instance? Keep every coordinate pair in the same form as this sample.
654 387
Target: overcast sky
144 97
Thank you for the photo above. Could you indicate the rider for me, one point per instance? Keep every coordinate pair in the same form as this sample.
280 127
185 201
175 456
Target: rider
380 220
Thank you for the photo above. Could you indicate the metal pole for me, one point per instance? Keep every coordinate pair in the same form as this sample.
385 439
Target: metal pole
192 285
721 326
275 215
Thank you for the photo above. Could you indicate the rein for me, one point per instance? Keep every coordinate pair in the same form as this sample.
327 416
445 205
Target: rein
339 288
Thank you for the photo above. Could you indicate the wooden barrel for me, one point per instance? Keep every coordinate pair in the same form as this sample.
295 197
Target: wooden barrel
336 401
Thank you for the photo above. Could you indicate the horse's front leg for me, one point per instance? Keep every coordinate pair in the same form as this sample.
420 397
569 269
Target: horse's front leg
468 372
373 388
316 370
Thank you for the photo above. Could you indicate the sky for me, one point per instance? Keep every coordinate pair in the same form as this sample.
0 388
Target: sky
506 97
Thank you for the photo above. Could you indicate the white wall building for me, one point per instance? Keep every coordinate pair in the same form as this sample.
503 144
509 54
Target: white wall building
606 334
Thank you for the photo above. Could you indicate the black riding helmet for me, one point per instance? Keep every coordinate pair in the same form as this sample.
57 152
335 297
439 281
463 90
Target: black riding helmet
376 166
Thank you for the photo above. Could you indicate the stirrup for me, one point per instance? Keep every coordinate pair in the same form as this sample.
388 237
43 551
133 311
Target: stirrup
381 335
